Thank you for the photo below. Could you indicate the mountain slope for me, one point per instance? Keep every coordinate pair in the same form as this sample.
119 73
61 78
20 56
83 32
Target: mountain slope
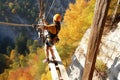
25 12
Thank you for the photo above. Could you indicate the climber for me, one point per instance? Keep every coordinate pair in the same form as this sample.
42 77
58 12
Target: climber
52 36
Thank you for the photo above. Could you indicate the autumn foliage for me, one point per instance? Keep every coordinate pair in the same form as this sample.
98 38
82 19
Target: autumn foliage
20 74
77 19
32 70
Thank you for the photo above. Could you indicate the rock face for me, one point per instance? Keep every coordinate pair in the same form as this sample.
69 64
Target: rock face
108 52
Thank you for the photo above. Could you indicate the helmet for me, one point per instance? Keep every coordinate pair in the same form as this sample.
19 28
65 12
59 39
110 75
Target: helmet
57 17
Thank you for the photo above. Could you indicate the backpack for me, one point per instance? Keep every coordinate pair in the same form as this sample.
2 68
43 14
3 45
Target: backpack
58 27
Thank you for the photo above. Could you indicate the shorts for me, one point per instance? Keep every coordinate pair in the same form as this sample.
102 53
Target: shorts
49 43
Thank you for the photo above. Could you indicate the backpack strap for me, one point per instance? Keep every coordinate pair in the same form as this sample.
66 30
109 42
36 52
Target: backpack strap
58 27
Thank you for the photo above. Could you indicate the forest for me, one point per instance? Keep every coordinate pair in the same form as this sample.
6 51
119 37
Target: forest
22 59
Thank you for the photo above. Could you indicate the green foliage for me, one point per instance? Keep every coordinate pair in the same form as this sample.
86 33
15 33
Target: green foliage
2 6
15 63
18 60
100 66
4 62
4 76
23 8
34 46
9 48
113 4
6 19
29 42
6 42
23 61
13 11
20 44
12 55
11 5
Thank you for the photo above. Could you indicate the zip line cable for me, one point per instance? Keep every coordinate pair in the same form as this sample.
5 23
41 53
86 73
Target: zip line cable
50 8
13 24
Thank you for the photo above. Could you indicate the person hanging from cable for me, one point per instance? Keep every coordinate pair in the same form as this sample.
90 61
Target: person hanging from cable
52 36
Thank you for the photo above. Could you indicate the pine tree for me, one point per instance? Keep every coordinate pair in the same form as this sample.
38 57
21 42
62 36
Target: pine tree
20 44
34 46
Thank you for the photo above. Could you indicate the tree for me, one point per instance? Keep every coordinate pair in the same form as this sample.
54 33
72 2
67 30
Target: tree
4 62
100 14
11 5
12 55
5 42
9 48
29 42
21 44
34 46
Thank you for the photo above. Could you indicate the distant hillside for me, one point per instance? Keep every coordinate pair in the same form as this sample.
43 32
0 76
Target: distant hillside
25 12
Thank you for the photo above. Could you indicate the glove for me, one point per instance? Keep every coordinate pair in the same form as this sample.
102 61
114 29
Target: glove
34 26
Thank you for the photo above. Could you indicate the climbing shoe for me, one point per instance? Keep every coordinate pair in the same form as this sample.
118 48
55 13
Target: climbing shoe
46 60
53 58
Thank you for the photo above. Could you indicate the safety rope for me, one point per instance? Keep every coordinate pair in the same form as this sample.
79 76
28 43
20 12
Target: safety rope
50 8
14 24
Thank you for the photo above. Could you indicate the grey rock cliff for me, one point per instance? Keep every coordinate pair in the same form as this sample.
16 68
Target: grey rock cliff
108 52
